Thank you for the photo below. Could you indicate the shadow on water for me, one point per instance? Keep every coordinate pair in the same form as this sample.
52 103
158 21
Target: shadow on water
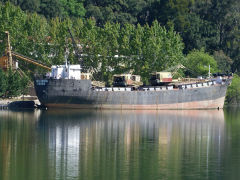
93 144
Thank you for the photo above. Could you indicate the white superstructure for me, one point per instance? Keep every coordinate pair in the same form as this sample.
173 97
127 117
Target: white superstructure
66 71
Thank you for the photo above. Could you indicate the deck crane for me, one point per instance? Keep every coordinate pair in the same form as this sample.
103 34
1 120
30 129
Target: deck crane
174 70
6 61
166 76
30 60
76 49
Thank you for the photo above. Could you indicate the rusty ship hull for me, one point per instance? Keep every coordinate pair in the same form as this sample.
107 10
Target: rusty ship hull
70 93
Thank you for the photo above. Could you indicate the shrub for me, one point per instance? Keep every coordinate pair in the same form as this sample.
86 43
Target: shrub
233 92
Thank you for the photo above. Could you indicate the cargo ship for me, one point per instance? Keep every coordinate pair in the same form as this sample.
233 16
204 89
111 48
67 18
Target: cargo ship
67 87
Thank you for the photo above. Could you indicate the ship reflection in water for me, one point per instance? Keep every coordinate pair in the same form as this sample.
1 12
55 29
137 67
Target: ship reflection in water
119 145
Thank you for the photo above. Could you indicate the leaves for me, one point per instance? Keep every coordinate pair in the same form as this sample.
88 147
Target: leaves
3 83
198 63
224 62
233 92
12 84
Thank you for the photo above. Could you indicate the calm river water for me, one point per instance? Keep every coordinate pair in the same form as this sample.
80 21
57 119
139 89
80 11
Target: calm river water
109 145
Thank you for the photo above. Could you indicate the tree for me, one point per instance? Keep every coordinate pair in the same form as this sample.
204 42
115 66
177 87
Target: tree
198 33
223 61
3 83
50 8
13 84
24 85
198 63
72 8
26 5
233 92
118 11
30 5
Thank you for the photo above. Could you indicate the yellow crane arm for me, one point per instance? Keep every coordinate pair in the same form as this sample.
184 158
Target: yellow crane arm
17 55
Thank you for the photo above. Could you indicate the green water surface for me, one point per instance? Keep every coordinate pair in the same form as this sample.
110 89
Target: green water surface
108 145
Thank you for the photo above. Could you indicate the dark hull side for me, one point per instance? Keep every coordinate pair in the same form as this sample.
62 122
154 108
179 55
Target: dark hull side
67 93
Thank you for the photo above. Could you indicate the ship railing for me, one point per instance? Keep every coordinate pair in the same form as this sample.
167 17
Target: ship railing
160 88
197 85
113 89
131 89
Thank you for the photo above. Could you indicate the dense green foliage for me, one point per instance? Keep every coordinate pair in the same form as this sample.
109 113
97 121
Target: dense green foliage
12 84
233 92
122 35
224 62
198 63
121 11
3 83
212 25
140 48
107 50
52 8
